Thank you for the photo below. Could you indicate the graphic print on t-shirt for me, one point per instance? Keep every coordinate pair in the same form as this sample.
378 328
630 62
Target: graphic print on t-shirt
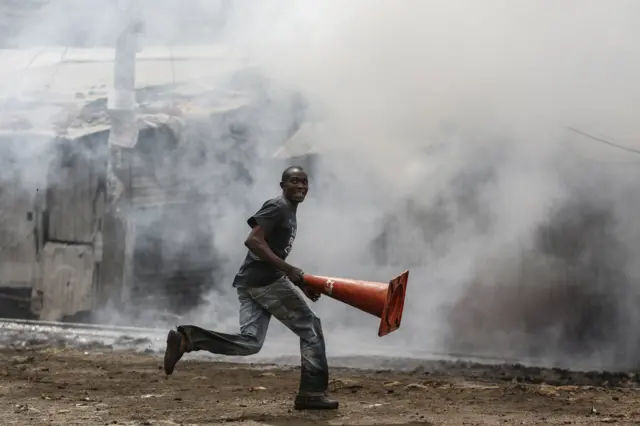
294 228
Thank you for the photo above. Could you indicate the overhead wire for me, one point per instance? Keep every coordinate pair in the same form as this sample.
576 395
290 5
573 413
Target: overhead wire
603 141
57 68
570 147
22 76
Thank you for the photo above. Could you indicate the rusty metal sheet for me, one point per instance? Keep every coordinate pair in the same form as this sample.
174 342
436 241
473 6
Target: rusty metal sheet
17 235
67 285
73 192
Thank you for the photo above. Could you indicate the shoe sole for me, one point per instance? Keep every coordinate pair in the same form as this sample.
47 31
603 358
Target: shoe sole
172 353
312 406
316 407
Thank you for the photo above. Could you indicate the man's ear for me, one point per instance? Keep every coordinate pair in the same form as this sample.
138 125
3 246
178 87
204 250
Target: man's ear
282 185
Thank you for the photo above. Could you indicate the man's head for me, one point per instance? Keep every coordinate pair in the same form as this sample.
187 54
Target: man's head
294 184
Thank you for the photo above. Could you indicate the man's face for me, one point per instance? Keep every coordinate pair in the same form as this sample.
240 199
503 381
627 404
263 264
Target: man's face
295 188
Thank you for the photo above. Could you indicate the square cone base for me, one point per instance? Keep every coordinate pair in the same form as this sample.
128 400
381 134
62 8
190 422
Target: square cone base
394 305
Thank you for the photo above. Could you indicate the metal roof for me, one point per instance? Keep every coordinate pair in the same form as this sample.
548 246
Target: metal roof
55 92
306 141
59 92
60 72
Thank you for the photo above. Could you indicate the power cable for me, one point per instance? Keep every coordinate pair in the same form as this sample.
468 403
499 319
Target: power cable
22 76
57 68
603 141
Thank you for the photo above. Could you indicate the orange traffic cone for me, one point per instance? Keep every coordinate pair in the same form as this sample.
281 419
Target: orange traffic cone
385 301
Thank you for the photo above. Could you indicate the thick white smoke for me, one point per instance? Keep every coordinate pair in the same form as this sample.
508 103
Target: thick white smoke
490 88
443 151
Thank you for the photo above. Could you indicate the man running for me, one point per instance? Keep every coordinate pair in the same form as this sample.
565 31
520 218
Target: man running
265 285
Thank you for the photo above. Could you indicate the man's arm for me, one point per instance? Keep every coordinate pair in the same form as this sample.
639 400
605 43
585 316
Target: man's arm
257 243
262 224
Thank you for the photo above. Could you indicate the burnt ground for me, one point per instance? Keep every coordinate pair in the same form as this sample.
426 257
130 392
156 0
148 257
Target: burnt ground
46 385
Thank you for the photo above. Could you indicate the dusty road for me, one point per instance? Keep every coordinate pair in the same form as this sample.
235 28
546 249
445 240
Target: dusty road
65 386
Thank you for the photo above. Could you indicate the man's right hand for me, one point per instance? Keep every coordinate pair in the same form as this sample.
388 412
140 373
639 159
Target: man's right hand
296 275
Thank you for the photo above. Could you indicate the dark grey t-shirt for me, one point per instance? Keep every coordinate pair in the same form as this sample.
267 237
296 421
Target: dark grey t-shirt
277 218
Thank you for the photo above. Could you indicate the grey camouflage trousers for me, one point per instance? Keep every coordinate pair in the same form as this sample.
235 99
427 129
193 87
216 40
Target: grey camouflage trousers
283 301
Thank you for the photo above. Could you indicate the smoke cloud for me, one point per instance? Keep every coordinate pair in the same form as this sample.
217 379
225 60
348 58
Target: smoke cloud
441 147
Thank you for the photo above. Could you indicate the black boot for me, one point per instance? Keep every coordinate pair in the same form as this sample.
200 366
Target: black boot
315 401
176 347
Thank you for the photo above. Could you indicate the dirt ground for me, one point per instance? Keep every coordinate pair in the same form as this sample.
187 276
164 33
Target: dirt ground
64 386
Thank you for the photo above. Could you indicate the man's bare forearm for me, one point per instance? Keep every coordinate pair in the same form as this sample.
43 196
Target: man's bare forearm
261 249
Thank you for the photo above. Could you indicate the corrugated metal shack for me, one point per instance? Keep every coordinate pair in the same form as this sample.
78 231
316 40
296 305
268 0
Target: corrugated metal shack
73 237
